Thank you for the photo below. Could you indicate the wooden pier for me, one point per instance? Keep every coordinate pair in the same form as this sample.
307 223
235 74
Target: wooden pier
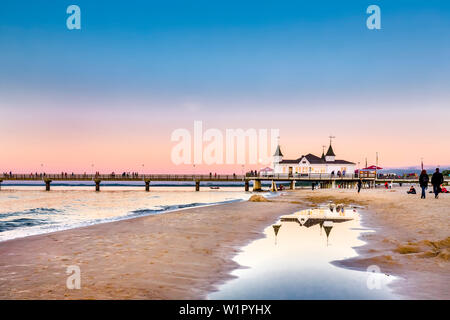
321 180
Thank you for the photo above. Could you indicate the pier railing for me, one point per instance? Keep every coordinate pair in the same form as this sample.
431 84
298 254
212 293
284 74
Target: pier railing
202 177
311 176
325 180
124 177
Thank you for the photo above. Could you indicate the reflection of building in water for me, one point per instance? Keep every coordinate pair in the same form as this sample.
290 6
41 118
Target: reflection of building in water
325 217
327 225
276 228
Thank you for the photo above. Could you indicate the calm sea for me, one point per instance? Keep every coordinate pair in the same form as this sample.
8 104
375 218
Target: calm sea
26 209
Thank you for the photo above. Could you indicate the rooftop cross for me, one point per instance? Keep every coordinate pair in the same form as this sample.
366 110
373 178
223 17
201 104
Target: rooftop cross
331 137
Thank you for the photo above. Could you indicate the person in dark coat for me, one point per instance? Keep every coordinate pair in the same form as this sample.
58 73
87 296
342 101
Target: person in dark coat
359 185
436 180
423 181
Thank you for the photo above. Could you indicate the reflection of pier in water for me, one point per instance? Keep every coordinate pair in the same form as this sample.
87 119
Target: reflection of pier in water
324 216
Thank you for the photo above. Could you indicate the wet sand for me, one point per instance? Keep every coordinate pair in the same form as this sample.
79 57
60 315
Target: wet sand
186 254
176 255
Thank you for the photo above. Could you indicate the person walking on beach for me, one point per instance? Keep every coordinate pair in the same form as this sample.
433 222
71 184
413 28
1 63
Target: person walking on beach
436 180
423 181
359 185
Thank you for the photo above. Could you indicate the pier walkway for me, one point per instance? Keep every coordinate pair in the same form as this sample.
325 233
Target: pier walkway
322 180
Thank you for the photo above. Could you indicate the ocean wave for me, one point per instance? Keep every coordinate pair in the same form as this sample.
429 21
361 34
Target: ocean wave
20 223
33 211
166 208
161 209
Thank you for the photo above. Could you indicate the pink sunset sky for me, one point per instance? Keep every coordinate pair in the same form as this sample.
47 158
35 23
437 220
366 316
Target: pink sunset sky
129 134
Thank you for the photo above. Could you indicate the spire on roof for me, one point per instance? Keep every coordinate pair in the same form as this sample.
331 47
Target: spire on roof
323 153
278 152
330 152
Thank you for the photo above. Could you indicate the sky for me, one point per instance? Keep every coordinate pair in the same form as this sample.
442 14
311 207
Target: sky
108 97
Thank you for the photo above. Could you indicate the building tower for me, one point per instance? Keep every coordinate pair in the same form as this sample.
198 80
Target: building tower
330 156
277 157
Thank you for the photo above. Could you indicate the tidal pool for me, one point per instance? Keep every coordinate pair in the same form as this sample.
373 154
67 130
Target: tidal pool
293 260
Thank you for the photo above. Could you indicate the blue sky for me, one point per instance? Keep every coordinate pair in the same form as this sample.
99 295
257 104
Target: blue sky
247 47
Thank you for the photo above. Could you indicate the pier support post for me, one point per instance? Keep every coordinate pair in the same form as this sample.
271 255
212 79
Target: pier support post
1 184
197 185
293 185
247 185
256 185
47 184
273 187
147 185
333 184
97 184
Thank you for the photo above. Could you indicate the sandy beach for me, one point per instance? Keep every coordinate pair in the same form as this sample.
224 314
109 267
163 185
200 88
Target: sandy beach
412 238
186 254
176 255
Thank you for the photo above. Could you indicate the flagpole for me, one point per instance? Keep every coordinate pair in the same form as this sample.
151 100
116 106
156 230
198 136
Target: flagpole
376 170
